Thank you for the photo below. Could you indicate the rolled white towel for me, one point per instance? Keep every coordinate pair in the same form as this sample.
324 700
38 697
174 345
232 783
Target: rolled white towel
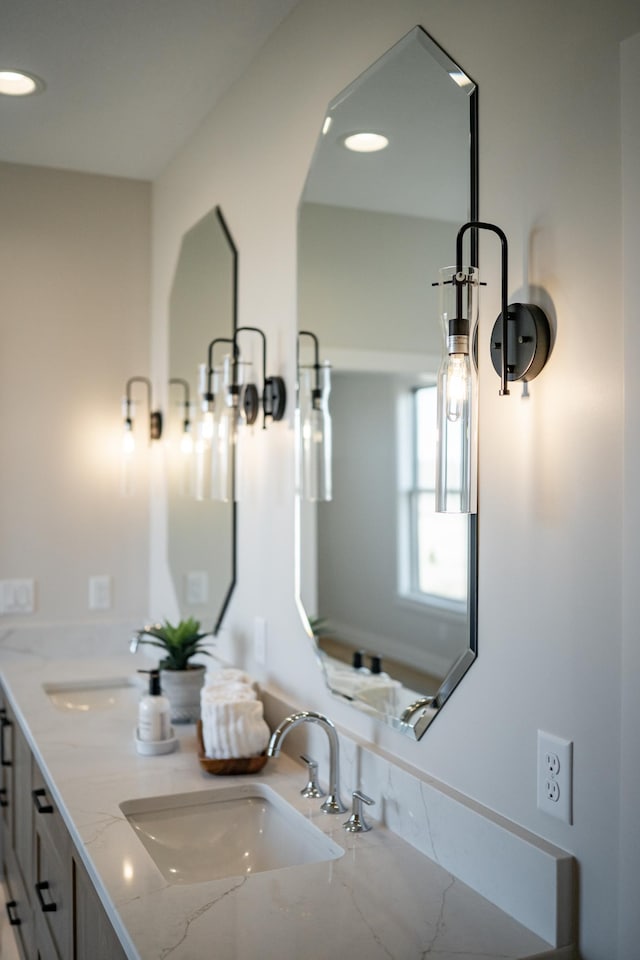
234 729
228 675
226 692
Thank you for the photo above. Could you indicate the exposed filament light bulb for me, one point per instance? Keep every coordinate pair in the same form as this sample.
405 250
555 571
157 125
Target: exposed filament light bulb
458 385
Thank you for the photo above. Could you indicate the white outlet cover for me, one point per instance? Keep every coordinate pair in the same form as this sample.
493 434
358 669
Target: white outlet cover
555 776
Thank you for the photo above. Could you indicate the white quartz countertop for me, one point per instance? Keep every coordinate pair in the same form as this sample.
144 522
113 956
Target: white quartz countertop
382 899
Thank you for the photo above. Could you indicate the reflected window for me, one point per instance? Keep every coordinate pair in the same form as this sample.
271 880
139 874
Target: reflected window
437 542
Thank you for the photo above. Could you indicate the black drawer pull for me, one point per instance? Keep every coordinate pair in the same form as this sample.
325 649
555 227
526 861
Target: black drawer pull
3 797
4 723
46 907
14 920
41 807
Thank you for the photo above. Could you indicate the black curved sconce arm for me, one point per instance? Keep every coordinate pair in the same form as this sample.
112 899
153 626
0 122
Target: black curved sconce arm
521 336
317 392
187 399
155 416
274 395
481 225
210 349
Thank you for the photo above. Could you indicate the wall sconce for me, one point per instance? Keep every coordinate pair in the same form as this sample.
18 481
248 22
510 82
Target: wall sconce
209 470
274 392
155 416
520 343
128 438
314 426
186 440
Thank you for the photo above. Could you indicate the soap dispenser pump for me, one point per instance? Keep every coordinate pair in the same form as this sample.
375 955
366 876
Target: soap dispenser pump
154 714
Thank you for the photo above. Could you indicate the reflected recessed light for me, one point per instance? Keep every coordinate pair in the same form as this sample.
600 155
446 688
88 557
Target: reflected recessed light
327 124
17 83
366 142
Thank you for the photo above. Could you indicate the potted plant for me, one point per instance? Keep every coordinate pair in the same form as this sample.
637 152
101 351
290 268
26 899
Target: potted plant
180 680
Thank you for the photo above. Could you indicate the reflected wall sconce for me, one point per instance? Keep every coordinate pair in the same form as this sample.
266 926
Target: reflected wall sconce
314 437
520 342
128 410
214 451
186 440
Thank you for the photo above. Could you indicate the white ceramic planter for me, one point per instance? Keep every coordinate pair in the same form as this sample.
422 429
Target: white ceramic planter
182 689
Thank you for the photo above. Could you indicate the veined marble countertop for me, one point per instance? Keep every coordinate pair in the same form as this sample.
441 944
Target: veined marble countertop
382 899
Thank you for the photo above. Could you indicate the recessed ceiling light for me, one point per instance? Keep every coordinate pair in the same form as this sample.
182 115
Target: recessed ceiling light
366 142
17 83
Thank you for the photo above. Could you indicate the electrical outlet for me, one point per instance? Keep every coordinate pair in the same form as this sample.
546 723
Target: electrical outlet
17 596
260 640
100 593
555 776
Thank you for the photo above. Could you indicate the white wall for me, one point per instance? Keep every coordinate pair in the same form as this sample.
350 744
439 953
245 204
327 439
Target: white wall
550 470
74 306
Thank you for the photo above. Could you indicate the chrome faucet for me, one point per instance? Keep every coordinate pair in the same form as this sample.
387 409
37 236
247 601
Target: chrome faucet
333 803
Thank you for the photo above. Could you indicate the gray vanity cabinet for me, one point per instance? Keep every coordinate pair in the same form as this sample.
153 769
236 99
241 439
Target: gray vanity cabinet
94 937
52 904
17 849
53 874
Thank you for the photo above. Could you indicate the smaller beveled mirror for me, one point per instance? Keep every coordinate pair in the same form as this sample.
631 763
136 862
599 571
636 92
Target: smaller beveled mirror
387 586
201 530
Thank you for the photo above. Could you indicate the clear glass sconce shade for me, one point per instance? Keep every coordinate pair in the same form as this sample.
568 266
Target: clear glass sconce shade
205 429
223 448
128 449
314 433
456 465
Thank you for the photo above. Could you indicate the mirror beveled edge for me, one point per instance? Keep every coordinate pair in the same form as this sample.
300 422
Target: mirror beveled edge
234 505
420 715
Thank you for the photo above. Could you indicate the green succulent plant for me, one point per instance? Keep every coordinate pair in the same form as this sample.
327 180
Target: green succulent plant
179 642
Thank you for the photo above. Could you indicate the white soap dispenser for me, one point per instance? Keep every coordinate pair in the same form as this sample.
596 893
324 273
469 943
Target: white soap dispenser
154 733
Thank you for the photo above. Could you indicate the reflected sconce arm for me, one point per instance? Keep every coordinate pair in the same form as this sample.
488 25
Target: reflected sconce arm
155 416
314 433
520 342
187 439
274 392
316 393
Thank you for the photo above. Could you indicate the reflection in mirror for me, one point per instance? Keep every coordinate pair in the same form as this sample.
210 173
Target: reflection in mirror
201 530
388 586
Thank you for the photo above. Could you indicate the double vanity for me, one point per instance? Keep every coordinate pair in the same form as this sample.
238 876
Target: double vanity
151 857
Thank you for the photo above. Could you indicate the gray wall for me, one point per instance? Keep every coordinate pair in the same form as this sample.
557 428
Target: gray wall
74 322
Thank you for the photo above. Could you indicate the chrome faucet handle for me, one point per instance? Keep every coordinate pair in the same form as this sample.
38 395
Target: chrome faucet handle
356 822
312 788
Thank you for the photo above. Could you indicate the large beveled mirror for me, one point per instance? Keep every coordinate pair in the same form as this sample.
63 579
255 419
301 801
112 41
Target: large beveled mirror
201 530
388 587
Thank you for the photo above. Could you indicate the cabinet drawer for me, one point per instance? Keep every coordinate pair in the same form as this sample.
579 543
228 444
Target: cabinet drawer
52 897
46 816
17 907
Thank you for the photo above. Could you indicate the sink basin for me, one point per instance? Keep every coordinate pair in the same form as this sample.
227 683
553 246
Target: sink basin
231 831
86 695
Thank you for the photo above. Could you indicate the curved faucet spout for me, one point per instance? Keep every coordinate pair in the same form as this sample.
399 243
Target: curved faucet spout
333 803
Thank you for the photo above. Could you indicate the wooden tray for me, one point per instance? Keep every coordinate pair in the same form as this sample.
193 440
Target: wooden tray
231 766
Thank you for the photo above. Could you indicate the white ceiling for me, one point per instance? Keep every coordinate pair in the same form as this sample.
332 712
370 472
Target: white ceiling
128 81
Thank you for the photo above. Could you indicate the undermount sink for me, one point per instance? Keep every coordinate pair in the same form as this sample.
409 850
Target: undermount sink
230 831
90 695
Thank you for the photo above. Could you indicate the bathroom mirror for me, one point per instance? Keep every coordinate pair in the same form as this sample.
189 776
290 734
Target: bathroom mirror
201 531
388 588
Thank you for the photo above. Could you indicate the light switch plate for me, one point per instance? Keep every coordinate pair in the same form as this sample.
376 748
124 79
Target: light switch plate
17 596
